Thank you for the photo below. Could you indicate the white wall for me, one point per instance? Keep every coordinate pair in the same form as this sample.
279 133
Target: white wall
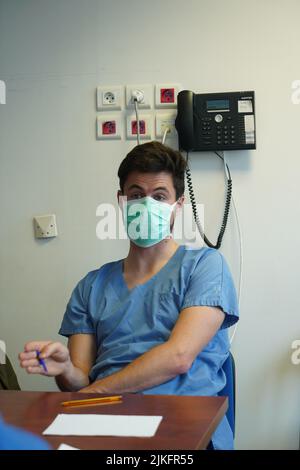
53 54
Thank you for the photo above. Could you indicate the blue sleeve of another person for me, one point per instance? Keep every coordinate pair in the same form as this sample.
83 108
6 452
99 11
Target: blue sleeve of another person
211 284
12 438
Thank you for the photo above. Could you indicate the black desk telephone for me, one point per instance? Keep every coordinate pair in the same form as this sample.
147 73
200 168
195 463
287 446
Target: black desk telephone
216 121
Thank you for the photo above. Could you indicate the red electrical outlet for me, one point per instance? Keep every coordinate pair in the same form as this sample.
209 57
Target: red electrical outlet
109 127
167 95
145 121
142 127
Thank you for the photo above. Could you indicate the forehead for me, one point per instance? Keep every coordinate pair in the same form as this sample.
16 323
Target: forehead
150 181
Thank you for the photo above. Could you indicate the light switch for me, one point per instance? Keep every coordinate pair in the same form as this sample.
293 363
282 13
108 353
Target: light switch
45 226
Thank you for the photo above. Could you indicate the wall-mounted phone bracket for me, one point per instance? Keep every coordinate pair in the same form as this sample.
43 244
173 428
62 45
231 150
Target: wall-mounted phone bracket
216 121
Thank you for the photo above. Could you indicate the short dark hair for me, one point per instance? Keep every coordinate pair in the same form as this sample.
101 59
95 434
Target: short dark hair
154 157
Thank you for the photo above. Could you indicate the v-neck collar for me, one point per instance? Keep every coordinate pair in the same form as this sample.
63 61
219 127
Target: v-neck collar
155 276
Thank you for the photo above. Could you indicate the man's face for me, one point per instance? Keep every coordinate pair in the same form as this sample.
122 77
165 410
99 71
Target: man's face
159 186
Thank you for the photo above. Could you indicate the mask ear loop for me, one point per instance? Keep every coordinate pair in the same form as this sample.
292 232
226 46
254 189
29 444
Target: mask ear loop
122 201
173 211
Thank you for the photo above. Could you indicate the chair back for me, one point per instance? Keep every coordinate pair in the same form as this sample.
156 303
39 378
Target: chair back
229 390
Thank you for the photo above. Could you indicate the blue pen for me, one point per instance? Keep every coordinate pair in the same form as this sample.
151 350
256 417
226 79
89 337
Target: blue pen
41 361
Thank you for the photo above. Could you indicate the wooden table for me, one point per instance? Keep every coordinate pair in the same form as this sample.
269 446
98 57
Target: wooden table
188 422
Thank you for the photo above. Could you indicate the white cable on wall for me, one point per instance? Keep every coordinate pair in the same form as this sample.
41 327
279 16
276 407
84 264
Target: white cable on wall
240 246
165 135
137 121
240 264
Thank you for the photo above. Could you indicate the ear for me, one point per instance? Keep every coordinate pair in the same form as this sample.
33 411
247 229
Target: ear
180 202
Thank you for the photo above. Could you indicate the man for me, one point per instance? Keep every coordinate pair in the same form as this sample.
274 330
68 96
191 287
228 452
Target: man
156 321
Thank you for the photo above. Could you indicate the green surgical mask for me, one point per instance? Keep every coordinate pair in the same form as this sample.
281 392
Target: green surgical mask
147 221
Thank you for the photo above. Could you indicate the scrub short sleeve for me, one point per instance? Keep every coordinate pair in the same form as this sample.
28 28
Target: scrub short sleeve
211 285
76 318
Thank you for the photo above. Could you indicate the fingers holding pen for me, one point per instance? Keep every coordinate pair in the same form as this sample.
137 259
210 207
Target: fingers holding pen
45 357
30 357
29 363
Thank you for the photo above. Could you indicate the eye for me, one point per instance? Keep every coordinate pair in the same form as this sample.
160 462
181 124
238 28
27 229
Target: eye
159 197
135 196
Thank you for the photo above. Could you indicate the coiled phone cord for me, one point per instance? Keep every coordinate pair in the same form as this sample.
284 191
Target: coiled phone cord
194 206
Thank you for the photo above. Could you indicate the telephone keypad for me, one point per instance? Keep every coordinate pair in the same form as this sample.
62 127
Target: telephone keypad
223 130
224 135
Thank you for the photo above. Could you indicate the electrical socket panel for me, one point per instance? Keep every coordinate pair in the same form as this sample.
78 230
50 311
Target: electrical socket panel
145 90
166 95
110 98
45 226
163 121
145 127
108 127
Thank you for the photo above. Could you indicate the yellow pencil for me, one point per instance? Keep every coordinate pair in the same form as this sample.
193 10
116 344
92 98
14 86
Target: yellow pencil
92 401
87 405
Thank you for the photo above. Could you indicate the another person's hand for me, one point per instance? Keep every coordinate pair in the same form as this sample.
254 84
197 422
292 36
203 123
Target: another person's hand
55 355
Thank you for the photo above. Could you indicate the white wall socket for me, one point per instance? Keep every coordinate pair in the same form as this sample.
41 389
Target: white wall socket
108 127
163 121
45 226
110 98
145 90
145 127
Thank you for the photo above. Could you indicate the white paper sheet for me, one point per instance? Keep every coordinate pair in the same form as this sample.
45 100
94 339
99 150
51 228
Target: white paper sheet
103 425
66 447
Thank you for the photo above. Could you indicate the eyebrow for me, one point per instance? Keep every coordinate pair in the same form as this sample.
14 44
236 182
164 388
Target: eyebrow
135 186
160 188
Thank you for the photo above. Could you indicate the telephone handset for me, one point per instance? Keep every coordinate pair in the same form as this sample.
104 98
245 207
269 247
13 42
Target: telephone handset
184 122
216 121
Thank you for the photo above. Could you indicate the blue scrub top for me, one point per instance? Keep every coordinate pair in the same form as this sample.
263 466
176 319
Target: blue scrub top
127 323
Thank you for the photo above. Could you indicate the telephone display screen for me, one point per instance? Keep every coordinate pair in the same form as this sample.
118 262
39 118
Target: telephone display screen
217 105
